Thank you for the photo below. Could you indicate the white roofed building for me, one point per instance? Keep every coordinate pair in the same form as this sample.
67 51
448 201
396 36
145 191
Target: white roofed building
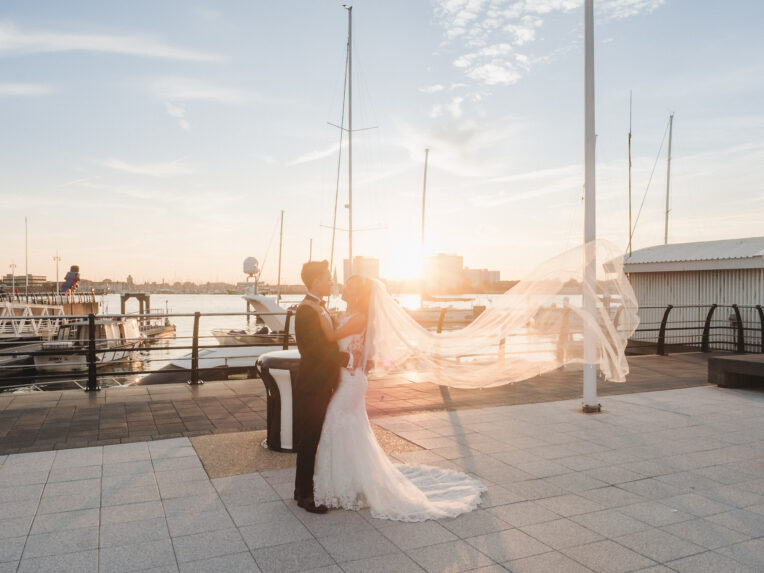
694 276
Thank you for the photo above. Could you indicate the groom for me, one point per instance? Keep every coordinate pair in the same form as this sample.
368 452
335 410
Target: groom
320 363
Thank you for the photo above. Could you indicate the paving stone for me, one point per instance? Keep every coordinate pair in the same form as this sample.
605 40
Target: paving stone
354 546
546 563
706 533
750 553
449 557
11 548
61 541
608 557
655 513
62 503
476 522
412 535
131 512
394 563
75 473
332 523
185 489
610 522
20 493
13 478
50 522
741 520
78 562
709 562
561 533
180 476
114 484
133 532
176 464
292 557
185 524
658 545
523 513
78 457
72 488
507 545
127 468
570 504
269 511
234 563
208 544
125 453
192 504
15 527
130 495
136 557
13 509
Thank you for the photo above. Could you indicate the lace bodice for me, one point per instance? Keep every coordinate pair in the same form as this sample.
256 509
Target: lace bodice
352 343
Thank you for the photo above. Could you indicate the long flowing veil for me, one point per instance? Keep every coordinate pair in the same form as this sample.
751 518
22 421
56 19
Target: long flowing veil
534 327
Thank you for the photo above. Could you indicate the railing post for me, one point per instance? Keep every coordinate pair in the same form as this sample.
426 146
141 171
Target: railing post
195 353
287 322
662 332
705 343
562 340
441 318
92 376
740 339
761 324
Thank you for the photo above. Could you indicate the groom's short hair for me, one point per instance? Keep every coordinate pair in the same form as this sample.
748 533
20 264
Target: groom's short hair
312 270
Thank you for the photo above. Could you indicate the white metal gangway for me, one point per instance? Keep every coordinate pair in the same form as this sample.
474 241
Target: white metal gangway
29 320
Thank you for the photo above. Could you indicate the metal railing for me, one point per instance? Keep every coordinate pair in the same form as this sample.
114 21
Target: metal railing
711 327
94 349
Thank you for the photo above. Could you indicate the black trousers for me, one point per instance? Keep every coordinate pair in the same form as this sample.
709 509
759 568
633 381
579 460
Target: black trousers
309 414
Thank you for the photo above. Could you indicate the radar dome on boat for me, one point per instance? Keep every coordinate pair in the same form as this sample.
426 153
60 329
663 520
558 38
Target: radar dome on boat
251 266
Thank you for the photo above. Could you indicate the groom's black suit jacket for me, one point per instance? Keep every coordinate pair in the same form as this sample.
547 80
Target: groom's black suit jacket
320 359
320 362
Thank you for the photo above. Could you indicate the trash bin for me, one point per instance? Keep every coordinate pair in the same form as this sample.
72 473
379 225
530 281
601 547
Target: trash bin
278 371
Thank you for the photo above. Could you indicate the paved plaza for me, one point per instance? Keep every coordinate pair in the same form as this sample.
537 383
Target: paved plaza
660 481
55 420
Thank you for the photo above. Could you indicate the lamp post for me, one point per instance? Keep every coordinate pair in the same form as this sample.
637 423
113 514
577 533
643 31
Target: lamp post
57 259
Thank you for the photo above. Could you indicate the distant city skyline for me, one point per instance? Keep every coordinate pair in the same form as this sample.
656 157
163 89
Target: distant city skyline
166 137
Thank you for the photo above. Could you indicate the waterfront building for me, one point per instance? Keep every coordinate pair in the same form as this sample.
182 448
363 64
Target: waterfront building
481 278
694 276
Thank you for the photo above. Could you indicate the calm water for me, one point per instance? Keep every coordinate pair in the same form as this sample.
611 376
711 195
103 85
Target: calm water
165 350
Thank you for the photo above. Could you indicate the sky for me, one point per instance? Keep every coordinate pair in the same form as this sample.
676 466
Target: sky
163 139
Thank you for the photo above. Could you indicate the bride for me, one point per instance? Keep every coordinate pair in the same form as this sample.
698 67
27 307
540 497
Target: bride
352 470
537 326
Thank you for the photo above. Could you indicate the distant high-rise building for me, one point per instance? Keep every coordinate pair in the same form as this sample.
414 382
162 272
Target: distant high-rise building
367 267
443 272
477 278
130 280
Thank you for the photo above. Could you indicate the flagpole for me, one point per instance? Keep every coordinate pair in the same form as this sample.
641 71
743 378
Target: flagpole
590 403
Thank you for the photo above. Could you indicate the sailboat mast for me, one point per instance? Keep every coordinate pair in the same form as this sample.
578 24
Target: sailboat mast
424 194
350 136
630 172
668 178
281 241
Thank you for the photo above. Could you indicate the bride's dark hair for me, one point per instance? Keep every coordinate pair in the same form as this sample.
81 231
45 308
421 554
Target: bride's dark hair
364 293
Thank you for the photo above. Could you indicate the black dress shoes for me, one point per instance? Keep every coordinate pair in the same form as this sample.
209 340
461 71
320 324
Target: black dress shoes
309 504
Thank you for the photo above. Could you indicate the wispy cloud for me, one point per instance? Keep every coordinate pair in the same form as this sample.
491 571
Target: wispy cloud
191 89
497 36
166 169
176 91
16 42
432 89
315 155
11 89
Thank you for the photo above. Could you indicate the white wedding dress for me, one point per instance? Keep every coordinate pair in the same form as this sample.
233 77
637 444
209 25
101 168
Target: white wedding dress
353 472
